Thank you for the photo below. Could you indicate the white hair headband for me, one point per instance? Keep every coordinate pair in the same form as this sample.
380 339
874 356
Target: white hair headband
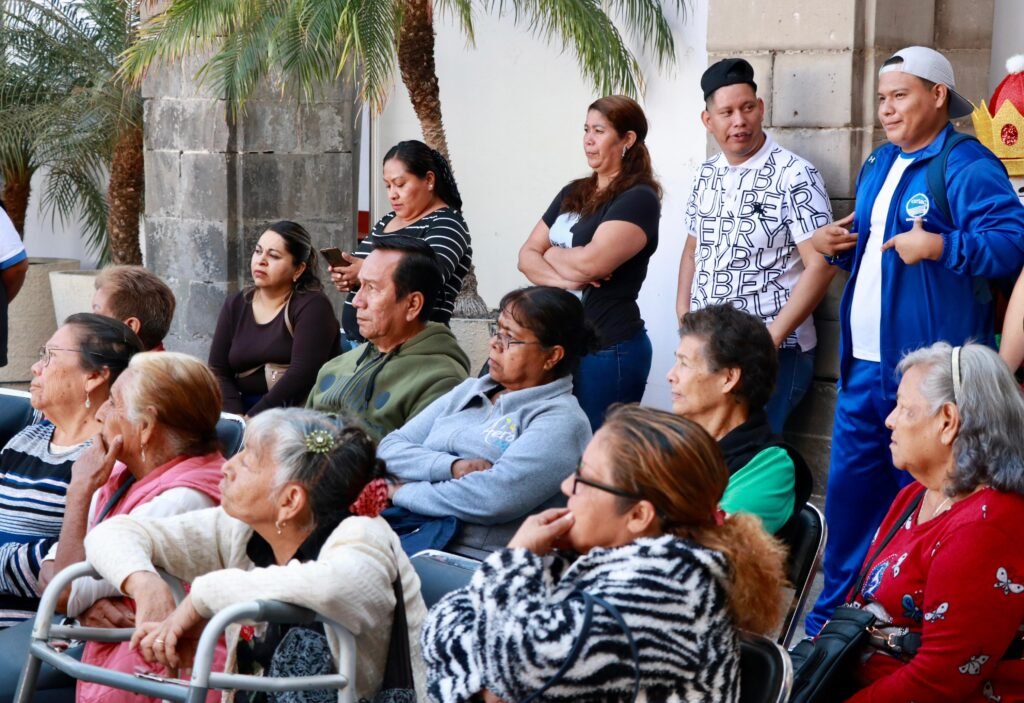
955 360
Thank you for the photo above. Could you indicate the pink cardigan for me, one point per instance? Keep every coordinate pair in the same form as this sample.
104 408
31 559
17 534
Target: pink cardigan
201 473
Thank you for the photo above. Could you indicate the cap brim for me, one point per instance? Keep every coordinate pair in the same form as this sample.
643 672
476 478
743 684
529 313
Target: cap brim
959 106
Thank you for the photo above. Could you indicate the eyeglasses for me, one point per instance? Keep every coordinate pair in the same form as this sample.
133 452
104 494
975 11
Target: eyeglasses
45 354
506 340
577 479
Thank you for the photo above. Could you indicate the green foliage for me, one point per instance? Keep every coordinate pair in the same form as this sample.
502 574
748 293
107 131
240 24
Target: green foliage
306 43
62 101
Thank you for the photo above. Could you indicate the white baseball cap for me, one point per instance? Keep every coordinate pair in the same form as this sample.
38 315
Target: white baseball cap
929 64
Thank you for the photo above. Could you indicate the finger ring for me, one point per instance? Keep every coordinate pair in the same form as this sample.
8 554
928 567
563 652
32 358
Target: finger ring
158 641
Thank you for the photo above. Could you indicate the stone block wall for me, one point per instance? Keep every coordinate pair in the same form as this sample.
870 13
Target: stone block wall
214 181
816 67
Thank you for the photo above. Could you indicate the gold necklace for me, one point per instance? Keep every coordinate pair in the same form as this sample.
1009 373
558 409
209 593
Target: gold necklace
938 509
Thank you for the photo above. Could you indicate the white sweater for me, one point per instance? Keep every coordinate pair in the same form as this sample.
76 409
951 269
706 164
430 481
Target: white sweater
350 581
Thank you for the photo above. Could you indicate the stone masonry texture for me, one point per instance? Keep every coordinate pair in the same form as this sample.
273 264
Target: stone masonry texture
214 181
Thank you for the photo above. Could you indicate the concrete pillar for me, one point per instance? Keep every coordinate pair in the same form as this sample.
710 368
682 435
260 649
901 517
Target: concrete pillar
816 67
213 183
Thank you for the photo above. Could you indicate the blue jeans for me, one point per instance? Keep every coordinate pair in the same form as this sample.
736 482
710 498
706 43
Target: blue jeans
862 483
615 374
796 372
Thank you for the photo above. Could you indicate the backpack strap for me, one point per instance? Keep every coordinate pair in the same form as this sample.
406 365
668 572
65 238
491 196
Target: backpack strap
936 173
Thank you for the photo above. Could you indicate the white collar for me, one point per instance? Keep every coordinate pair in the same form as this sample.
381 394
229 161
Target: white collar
758 158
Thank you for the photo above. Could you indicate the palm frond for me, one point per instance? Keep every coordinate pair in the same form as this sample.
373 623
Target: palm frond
462 10
586 30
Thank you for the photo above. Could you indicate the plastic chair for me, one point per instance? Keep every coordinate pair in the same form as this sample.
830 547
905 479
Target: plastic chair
179 691
15 413
806 548
441 573
230 431
766 673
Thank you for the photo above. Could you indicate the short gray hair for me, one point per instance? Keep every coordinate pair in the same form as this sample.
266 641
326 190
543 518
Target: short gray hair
988 449
332 478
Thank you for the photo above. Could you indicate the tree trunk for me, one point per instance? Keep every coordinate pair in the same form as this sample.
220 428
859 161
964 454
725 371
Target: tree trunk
419 74
17 187
127 175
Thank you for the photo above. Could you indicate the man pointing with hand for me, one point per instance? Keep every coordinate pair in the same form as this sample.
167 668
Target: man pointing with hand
915 273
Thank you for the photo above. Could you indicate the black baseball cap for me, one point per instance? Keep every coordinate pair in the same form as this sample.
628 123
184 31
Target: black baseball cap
727 72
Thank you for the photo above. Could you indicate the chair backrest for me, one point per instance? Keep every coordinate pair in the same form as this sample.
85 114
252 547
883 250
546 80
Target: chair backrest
230 430
806 547
441 573
15 413
766 673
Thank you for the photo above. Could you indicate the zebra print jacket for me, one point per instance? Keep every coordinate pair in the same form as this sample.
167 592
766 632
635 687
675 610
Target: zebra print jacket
513 626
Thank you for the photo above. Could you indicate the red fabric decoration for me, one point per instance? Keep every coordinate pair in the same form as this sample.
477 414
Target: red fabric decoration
372 500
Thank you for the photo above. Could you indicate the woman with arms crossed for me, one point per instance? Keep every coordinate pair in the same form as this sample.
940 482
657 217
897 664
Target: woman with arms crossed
596 239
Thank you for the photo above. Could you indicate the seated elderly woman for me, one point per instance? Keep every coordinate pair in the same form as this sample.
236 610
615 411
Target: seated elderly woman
283 532
494 448
156 455
653 544
70 382
950 582
723 375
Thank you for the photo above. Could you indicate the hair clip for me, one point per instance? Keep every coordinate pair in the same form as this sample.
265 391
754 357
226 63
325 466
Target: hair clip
320 442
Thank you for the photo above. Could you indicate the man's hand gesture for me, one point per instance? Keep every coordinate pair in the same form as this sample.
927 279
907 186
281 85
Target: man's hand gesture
916 244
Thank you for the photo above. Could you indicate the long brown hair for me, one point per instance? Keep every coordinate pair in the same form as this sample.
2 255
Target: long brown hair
625 115
678 467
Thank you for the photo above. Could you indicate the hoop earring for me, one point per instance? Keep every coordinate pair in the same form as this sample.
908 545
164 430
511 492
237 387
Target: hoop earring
279 525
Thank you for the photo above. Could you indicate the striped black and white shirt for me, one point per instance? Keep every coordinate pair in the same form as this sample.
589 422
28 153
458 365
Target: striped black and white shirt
514 625
447 234
33 486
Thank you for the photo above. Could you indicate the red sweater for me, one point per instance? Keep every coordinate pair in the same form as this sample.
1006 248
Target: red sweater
958 579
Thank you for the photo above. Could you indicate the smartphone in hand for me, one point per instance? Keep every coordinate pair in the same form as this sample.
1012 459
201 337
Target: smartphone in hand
334 257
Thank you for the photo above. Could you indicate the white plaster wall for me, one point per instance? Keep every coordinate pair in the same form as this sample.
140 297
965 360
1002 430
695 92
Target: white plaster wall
514 110
46 236
1007 38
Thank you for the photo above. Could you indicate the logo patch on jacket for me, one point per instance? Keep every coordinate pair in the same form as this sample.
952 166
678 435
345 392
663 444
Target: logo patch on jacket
918 205
501 433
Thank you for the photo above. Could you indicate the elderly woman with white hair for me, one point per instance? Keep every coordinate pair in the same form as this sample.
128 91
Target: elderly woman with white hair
284 531
945 573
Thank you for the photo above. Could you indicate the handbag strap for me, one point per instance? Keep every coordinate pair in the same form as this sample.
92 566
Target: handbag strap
398 670
888 538
287 319
588 617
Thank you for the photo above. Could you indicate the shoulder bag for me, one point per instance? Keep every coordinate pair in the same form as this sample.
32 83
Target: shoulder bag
823 667
273 372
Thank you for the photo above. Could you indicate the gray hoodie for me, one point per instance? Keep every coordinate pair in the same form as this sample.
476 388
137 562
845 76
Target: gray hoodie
533 437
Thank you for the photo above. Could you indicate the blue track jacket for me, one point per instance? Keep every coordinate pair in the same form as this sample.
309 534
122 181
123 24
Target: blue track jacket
944 300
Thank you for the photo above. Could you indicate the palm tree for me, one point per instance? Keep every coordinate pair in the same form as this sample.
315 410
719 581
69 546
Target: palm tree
17 157
82 122
309 43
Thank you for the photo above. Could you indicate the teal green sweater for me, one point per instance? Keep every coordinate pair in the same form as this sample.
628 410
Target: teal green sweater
764 487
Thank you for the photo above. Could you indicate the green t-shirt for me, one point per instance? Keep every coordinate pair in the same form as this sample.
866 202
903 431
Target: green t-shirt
765 487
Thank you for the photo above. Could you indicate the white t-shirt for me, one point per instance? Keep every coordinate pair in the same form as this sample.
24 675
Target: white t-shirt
747 220
866 309
560 235
10 242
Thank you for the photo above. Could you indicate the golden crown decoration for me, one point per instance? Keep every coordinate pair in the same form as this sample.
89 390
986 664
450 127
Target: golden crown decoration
1000 125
